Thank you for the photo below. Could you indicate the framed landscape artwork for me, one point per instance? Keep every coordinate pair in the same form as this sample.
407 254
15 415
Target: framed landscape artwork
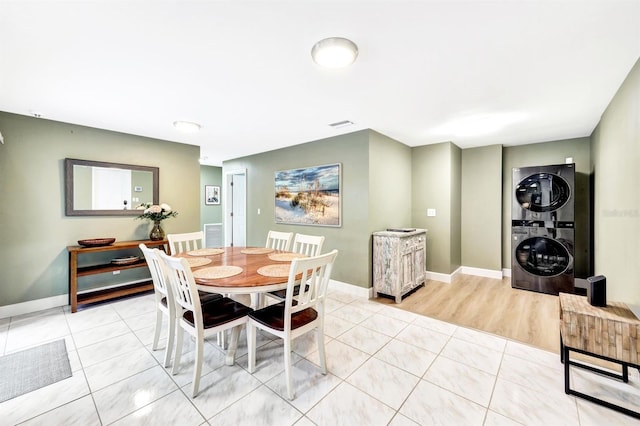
211 194
308 196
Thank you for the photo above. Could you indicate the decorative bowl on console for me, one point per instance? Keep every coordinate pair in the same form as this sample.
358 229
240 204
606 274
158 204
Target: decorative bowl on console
96 242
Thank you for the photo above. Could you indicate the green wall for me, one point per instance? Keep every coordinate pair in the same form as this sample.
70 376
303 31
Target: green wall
389 183
456 212
616 169
481 207
352 238
33 227
549 153
436 184
210 175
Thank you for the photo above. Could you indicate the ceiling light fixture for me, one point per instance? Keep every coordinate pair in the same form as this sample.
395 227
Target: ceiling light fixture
334 52
186 126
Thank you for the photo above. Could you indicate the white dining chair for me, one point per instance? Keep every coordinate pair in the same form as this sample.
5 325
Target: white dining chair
200 319
290 319
165 304
188 241
279 240
309 245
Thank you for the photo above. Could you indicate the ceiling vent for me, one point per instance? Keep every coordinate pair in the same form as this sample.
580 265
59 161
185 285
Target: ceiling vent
343 123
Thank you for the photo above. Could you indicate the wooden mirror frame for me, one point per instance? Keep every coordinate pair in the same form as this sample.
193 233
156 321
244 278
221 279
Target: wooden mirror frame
69 179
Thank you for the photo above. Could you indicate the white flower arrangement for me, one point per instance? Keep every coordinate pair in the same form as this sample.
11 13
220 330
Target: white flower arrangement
155 212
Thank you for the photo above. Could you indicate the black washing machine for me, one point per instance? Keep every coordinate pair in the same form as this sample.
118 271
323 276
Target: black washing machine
542 216
544 193
542 259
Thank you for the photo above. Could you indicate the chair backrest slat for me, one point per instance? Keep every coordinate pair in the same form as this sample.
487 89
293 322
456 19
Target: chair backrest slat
279 240
183 284
160 282
316 273
179 243
309 245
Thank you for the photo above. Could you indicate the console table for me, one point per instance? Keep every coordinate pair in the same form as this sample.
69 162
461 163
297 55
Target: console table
611 333
110 292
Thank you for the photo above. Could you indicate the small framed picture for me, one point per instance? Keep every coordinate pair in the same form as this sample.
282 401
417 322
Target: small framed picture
211 194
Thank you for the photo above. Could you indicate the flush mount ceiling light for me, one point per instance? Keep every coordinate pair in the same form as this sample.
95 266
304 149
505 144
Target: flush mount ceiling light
186 126
334 52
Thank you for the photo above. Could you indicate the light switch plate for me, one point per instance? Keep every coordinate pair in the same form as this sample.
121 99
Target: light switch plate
431 212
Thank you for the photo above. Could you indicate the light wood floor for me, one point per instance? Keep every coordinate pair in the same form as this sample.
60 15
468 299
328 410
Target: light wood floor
490 305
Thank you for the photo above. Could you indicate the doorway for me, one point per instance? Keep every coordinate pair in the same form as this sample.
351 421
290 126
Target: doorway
235 208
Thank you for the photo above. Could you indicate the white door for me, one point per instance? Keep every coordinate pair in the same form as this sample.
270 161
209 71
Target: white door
236 208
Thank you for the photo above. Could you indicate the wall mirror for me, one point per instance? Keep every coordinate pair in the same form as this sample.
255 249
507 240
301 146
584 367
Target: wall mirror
97 188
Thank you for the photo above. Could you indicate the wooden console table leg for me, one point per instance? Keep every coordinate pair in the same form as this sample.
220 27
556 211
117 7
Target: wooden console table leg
73 281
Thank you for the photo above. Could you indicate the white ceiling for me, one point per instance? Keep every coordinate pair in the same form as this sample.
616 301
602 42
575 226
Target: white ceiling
243 70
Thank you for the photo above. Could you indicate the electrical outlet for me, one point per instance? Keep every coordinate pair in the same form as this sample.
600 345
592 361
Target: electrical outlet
431 212
116 272
258 211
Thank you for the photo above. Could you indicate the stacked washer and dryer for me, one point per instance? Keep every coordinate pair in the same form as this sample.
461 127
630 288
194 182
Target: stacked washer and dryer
542 228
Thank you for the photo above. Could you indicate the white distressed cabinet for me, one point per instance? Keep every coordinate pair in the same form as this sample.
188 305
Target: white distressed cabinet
398 262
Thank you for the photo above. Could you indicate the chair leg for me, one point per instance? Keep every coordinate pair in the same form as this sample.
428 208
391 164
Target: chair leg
251 347
321 352
221 339
233 346
156 335
197 365
178 351
170 338
287 368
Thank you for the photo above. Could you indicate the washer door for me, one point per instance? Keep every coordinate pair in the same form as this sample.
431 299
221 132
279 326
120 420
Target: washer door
544 257
542 192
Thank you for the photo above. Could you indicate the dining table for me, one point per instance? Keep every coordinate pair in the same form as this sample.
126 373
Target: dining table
240 270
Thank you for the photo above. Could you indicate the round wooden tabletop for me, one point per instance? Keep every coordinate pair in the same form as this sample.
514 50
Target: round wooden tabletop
250 259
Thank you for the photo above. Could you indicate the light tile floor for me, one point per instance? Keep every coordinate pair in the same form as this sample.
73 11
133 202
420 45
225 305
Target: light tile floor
386 366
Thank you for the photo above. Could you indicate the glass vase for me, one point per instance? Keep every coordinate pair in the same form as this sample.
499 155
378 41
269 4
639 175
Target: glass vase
157 233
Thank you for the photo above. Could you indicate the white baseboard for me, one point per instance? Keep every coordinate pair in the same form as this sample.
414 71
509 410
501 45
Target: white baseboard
506 272
445 278
361 292
480 272
33 306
